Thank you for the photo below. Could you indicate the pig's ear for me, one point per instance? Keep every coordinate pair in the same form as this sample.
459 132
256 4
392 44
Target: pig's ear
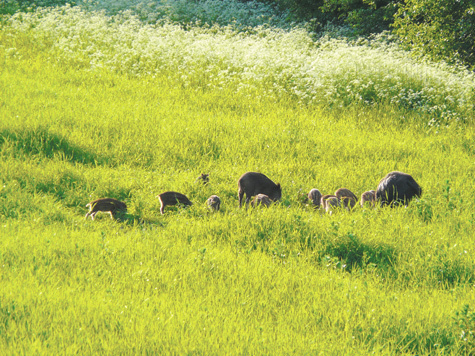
278 185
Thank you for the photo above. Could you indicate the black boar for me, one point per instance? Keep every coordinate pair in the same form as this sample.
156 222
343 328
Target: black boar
252 183
329 202
397 188
214 203
314 196
172 198
107 205
368 197
261 199
346 197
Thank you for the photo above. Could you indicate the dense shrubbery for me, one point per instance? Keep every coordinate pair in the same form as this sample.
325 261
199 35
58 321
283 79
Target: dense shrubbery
363 16
440 29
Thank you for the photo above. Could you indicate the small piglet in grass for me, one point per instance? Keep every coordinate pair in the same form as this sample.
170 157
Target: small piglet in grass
347 198
315 196
106 205
172 198
214 203
261 199
329 202
368 198
253 183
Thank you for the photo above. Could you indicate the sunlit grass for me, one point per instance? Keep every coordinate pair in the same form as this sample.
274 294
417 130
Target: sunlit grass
283 280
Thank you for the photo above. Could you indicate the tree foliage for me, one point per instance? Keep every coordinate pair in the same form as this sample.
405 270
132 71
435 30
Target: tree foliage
363 16
441 29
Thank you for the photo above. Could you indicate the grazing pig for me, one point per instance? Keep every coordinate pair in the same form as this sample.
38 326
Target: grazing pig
107 205
252 183
346 197
214 203
397 188
203 178
329 202
368 197
261 199
172 198
314 196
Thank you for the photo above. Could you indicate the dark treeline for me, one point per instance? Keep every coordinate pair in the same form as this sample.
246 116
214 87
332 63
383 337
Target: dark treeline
437 29
363 16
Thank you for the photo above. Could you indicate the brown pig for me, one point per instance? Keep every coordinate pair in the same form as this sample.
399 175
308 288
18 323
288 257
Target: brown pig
368 197
347 198
172 198
314 196
261 199
329 202
107 205
214 203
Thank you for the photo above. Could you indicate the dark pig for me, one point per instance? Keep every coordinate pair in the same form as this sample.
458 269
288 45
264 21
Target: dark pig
397 188
253 183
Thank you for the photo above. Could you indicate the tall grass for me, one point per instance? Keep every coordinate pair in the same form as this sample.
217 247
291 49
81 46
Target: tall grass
95 105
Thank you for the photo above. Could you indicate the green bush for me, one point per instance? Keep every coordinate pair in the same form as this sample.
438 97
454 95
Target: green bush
364 17
439 29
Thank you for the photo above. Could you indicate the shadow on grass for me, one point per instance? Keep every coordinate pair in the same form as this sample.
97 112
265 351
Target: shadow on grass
449 271
40 141
348 252
128 219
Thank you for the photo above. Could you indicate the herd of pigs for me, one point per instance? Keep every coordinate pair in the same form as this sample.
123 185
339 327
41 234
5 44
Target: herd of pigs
394 189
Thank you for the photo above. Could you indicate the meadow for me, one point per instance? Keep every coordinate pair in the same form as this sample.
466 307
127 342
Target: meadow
103 100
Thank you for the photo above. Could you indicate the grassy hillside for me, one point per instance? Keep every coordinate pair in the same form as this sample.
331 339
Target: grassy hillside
95 106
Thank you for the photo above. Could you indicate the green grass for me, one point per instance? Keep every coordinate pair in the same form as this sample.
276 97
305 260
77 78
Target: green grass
283 280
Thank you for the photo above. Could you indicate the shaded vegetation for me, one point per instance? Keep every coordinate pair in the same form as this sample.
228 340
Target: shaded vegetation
41 142
439 29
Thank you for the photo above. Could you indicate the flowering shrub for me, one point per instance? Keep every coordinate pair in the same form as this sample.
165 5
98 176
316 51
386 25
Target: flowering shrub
263 60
